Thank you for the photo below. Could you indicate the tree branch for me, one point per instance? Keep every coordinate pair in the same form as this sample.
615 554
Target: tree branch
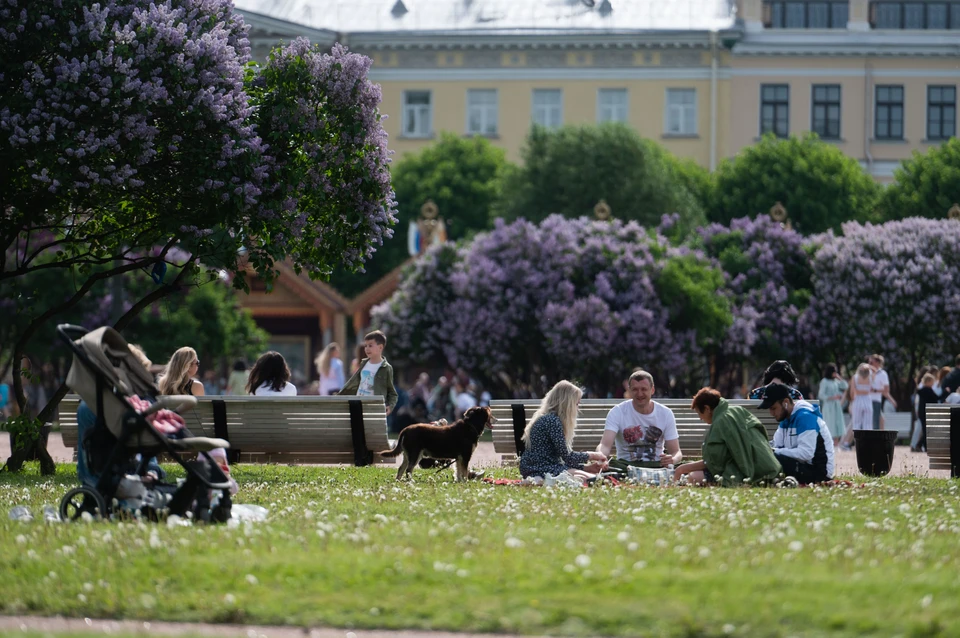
35 325
168 289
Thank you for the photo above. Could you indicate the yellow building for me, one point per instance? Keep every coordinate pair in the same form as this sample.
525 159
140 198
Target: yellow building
704 77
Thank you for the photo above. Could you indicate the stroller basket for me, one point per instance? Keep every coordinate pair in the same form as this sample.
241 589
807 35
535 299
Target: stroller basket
105 373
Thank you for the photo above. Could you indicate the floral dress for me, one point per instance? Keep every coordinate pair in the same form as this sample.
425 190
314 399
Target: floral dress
547 452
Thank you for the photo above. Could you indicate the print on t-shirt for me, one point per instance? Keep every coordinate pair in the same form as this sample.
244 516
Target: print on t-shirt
367 376
642 445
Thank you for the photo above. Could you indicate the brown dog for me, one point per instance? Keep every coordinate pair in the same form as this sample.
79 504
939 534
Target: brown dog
457 442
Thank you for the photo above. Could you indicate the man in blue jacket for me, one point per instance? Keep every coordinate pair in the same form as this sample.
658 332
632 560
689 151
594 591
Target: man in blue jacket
803 443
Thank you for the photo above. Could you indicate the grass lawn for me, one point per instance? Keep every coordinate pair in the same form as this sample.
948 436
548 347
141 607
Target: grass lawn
350 547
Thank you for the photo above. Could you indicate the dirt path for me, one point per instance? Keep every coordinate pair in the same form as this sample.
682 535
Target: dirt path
58 624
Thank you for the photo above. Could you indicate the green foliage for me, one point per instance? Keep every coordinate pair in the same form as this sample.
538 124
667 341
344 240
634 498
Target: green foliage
818 185
690 288
462 177
206 316
24 430
926 185
569 169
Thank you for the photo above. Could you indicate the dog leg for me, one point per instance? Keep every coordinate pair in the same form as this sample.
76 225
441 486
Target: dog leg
462 465
414 461
404 464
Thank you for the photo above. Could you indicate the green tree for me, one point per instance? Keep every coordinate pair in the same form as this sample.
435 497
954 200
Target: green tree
819 186
926 185
206 316
569 169
461 176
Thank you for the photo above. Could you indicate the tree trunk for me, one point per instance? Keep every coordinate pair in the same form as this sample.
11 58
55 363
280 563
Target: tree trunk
34 450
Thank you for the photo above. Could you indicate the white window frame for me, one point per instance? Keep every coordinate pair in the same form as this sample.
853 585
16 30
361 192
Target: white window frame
422 116
682 111
618 112
488 112
547 109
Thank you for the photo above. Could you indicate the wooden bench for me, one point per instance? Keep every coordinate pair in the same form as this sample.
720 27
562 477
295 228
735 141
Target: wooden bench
302 429
943 438
593 417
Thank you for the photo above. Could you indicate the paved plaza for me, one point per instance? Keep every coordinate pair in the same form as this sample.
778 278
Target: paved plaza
906 463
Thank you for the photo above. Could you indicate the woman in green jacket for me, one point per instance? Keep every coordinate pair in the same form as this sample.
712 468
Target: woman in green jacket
735 449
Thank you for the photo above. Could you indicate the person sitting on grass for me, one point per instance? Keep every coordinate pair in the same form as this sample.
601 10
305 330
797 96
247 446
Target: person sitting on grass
548 438
735 449
645 431
802 443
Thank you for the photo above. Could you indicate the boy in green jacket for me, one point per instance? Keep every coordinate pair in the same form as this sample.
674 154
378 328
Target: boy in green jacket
735 448
375 375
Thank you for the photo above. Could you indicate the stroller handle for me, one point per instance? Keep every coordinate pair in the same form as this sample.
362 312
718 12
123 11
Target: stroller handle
175 402
70 333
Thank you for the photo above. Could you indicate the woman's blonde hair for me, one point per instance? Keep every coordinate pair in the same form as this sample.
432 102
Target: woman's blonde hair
323 359
562 400
176 376
928 379
863 370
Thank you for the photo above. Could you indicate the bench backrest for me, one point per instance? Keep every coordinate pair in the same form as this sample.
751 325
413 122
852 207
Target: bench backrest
593 417
302 429
938 436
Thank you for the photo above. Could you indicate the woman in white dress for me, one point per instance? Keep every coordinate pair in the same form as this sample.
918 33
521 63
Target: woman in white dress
861 406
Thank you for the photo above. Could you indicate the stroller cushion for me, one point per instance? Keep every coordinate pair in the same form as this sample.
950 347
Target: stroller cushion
198 444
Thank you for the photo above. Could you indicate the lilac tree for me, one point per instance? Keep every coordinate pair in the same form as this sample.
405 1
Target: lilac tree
892 288
767 270
529 304
132 128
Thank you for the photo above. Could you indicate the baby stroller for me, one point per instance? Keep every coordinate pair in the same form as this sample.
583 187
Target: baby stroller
114 384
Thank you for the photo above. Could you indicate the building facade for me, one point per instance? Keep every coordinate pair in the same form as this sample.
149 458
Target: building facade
706 78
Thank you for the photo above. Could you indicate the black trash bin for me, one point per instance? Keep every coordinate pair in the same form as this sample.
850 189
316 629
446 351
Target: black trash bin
875 450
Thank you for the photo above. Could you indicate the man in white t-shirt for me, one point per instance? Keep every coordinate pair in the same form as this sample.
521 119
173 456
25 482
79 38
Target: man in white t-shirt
880 388
645 431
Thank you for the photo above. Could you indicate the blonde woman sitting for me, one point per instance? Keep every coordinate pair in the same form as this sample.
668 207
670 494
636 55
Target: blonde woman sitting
548 437
179 377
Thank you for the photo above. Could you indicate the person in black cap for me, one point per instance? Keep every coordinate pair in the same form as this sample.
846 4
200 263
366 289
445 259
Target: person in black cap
779 371
803 443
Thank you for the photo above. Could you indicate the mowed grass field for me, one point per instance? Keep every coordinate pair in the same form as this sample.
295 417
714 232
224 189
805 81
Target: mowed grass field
351 548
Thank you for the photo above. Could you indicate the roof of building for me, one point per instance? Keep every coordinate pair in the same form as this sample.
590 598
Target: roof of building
498 17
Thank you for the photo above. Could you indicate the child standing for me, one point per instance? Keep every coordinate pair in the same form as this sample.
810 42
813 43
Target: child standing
374 376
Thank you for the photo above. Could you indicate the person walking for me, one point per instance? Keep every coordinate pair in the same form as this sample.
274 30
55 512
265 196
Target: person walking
330 367
832 387
237 381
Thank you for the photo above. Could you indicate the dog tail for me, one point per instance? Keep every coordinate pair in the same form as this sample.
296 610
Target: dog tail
397 449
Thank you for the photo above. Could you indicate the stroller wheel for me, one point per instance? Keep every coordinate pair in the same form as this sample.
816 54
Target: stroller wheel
82 500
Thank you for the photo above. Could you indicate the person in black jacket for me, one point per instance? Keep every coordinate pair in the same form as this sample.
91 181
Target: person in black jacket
951 383
926 394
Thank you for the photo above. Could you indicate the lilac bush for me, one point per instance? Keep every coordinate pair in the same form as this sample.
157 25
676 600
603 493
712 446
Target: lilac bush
768 282
329 177
892 288
530 304
137 105
133 128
